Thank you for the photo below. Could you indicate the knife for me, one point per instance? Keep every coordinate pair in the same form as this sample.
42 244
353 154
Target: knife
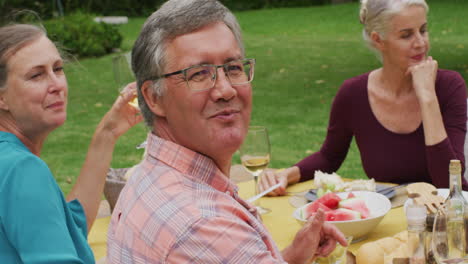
256 197
386 191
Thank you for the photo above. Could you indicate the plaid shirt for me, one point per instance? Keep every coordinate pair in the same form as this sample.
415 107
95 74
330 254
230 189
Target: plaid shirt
178 207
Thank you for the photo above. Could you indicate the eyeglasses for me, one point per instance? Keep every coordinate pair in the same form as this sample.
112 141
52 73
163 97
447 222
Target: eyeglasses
203 77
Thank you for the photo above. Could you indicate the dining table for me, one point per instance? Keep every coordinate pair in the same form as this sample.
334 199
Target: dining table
279 221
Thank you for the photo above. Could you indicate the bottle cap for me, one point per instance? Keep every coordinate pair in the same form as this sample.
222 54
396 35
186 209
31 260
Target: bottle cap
455 167
416 214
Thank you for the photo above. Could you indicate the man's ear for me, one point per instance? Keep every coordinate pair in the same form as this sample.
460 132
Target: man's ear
377 40
3 104
152 100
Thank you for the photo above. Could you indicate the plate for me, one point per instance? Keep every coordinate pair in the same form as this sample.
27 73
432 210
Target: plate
442 192
311 195
389 194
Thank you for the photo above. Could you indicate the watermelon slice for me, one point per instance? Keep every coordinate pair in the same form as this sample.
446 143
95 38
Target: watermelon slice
312 208
330 200
342 214
356 204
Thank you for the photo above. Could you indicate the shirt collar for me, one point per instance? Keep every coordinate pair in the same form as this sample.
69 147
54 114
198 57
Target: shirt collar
191 164
11 138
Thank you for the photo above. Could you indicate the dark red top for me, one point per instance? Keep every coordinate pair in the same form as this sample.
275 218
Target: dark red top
387 156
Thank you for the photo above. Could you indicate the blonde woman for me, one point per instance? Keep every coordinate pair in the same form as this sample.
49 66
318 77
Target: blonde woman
37 223
408 117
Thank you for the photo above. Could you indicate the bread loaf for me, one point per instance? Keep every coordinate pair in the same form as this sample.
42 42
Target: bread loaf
384 250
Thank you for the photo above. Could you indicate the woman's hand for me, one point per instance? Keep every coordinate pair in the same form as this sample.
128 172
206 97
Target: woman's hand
424 75
90 183
122 116
315 239
271 177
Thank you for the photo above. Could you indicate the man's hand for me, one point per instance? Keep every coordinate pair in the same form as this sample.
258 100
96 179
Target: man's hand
315 239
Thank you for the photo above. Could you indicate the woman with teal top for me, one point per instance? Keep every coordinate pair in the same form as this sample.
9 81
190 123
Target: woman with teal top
37 223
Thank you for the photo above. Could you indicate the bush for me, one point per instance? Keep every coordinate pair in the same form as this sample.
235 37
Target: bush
83 37
51 8
249 4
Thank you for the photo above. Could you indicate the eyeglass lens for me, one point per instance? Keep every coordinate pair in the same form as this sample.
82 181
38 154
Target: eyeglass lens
204 76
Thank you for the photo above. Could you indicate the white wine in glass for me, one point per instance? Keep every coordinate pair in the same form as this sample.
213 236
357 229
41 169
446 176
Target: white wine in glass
255 164
255 156
123 74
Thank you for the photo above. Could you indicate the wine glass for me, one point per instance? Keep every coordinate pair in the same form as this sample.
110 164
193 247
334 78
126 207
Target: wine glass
337 256
123 74
449 235
449 244
255 156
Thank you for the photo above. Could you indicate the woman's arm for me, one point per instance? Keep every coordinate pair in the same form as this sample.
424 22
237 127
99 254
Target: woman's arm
90 183
424 76
333 151
444 119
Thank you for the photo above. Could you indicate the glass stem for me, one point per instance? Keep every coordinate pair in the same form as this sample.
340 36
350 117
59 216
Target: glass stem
255 176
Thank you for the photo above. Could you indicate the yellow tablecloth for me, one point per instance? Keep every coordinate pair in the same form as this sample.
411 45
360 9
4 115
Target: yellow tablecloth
279 221
97 237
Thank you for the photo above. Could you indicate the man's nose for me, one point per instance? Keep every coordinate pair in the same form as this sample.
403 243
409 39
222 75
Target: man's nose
223 88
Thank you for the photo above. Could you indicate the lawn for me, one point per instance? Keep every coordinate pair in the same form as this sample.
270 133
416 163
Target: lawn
303 55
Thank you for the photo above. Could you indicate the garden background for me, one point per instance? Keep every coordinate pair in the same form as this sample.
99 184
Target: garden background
303 55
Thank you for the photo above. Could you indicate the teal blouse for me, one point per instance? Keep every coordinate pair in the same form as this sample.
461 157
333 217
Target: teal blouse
37 225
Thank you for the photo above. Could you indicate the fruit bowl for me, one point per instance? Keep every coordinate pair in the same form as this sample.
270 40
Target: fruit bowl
378 205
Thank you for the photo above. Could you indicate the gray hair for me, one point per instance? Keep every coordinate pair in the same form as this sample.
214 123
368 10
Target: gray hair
172 19
375 15
13 38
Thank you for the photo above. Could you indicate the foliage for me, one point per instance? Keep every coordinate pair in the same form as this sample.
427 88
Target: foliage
81 36
249 4
51 8
13 10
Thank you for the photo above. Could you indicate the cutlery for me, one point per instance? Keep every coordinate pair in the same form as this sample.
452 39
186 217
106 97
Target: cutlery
311 195
425 194
388 190
256 197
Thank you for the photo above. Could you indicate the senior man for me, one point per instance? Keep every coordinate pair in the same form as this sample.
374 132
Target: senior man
179 206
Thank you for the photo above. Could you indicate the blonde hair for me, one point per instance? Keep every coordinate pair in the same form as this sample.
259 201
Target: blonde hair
13 38
375 15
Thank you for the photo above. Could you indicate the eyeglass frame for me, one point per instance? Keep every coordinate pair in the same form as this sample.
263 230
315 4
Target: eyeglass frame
184 72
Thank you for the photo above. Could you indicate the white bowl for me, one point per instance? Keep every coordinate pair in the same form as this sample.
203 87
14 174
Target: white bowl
378 205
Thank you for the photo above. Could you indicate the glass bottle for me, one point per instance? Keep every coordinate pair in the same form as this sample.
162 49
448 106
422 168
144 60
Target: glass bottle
448 236
416 219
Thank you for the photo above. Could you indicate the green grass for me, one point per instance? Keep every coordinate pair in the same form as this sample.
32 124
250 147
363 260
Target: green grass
303 55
